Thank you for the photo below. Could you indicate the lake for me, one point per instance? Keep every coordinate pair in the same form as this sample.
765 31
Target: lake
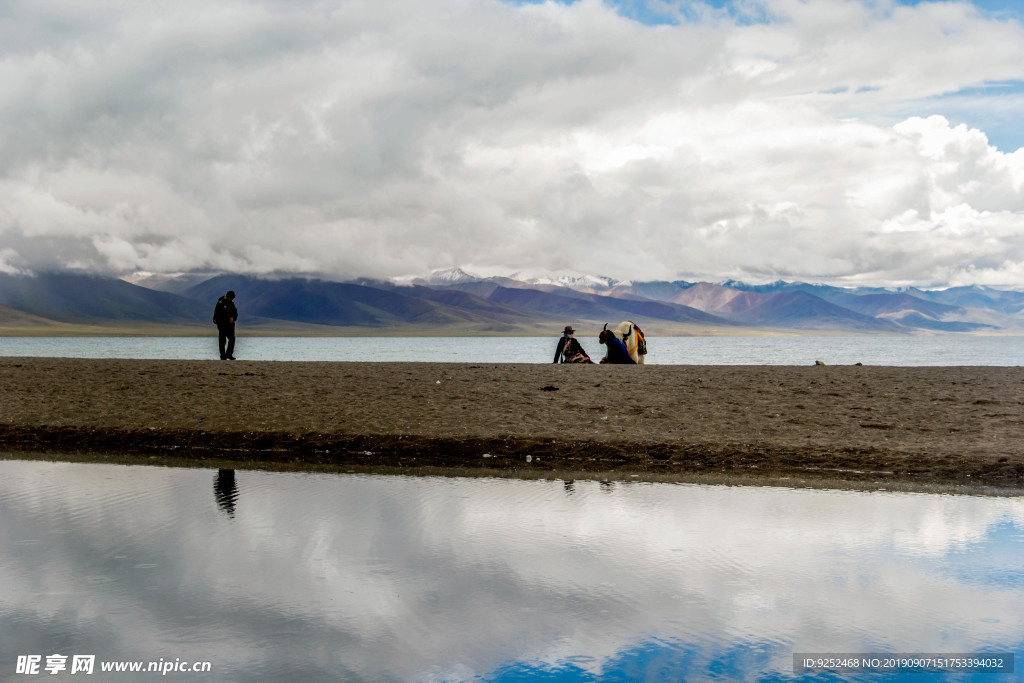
343 577
939 350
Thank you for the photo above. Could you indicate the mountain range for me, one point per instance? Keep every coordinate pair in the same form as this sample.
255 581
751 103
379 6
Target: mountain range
453 302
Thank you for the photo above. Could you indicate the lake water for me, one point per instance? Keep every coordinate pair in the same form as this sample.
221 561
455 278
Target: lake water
871 350
344 577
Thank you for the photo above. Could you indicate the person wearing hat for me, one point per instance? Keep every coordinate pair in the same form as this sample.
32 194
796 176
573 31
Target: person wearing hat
224 316
569 350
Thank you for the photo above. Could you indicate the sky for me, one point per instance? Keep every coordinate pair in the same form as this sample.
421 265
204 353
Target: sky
477 578
850 142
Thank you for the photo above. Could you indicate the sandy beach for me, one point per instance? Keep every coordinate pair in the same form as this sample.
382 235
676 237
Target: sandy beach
880 426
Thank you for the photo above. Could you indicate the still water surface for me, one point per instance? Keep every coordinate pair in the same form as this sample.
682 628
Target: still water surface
942 350
323 577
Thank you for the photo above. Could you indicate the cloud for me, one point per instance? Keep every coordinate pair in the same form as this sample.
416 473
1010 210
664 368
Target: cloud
361 139
371 565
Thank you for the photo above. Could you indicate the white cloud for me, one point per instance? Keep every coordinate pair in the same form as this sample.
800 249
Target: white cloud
375 139
10 262
370 566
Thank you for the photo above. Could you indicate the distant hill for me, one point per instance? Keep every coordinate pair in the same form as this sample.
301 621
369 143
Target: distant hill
16 318
800 310
795 309
911 311
570 306
348 304
1009 302
455 302
76 298
720 300
893 304
952 310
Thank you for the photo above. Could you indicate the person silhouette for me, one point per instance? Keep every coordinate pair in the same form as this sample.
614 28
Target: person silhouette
225 491
224 316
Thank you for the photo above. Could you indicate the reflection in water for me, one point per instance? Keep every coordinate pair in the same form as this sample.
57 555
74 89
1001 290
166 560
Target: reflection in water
225 491
354 577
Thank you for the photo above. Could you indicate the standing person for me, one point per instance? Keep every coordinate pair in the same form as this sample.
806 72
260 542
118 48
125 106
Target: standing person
569 350
224 316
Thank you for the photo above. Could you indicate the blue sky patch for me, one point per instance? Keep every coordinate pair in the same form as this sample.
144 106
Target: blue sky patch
996 109
661 12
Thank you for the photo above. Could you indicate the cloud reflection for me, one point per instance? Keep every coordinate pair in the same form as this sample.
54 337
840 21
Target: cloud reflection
401 578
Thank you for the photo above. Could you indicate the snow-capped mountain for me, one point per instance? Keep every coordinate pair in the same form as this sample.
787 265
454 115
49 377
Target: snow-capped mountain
570 280
447 276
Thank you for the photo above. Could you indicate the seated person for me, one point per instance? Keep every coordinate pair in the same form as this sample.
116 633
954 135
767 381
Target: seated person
569 350
617 352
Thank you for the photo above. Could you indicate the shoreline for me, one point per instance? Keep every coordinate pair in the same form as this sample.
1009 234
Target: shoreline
56 329
949 428
735 479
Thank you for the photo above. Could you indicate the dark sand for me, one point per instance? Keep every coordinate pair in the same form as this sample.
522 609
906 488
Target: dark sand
870 426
